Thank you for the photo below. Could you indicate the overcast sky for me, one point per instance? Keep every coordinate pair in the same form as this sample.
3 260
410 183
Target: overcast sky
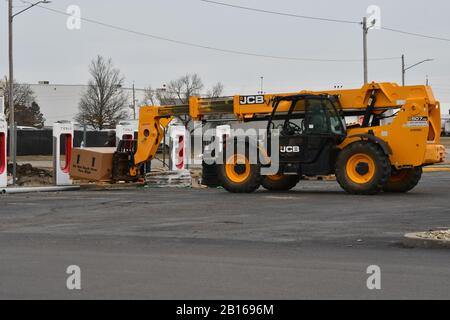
46 50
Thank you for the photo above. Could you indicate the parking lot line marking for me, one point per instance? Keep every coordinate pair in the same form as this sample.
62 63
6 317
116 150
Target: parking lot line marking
436 170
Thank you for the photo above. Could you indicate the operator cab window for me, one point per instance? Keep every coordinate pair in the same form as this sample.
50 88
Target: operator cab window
336 121
316 117
295 122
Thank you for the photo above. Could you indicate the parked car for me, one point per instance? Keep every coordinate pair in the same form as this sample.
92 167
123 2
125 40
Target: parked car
445 125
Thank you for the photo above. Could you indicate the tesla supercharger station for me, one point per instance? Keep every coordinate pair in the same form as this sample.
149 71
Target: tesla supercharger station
222 133
3 154
178 148
62 132
124 132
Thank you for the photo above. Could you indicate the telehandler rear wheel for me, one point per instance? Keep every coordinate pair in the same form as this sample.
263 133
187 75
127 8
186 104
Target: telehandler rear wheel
280 182
402 181
362 168
209 175
237 175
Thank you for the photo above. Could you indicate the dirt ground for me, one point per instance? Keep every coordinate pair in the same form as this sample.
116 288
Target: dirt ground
29 176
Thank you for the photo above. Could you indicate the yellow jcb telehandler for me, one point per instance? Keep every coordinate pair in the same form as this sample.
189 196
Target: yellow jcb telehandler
399 134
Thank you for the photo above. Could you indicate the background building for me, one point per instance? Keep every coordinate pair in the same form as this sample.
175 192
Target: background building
60 101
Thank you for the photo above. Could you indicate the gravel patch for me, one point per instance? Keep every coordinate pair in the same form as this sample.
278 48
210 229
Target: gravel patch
435 235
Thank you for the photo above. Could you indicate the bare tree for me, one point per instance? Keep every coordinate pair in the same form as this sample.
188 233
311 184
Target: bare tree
185 87
216 91
179 91
104 102
150 97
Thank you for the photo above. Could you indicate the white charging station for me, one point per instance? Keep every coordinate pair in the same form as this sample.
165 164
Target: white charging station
178 144
3 152
124 132
62 132
222 133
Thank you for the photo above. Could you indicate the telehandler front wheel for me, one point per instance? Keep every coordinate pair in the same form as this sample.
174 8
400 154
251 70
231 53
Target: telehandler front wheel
363 168
402 181
237 175
280 182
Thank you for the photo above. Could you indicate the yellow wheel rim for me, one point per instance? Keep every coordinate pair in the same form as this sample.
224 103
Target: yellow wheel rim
361 168
237 168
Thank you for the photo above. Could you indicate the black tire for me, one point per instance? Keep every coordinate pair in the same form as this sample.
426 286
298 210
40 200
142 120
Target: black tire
353 179
283 183
209 175
402 181
251 183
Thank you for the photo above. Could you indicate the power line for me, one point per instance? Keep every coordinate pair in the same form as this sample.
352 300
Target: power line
416 34
324 19
208 47
281 13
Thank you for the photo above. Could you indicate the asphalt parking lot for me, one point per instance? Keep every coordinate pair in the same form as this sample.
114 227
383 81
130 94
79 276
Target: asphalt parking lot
313 242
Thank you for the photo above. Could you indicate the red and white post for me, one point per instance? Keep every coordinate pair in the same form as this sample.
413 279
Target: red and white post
222 134
3 152
63 132
178 148
125 133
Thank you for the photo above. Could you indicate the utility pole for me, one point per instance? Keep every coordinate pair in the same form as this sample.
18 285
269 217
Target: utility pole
12 146
366 66
403 70
134 102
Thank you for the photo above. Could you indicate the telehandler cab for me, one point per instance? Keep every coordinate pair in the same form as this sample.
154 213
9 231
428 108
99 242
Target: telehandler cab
398 136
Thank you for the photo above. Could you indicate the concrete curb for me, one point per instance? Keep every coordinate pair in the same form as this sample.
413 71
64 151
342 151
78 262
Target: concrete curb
412 240
37 189
109 187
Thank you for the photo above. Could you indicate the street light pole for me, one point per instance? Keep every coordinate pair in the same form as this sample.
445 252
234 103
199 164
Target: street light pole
404 68
366 65
12 135
12 142
262 86
134 102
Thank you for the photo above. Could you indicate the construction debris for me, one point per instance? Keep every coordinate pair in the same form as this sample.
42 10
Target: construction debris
169 179
28 176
